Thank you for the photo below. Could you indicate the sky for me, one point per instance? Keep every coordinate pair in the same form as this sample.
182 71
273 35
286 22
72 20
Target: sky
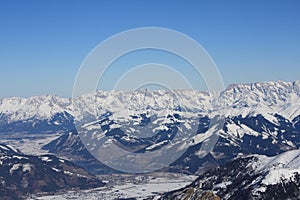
43 43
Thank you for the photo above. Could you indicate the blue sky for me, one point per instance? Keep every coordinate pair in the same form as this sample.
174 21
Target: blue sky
43 43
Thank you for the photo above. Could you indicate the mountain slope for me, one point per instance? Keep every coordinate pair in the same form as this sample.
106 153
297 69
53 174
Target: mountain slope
239 135
22 175
70 146
251 177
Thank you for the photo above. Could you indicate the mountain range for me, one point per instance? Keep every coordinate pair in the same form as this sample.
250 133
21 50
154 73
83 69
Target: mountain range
259 124
53 113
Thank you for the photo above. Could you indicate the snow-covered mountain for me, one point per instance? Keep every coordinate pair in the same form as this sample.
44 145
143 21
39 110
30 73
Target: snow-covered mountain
261 118
250 177
35 114
23 175
38 107
267 98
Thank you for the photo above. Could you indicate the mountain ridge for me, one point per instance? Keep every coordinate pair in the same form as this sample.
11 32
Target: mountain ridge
257 98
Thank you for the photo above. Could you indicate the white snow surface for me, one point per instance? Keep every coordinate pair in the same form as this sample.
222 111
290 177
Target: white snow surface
278 168
25 167
150 188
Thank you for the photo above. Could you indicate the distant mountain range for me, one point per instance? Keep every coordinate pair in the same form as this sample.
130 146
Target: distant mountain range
52 113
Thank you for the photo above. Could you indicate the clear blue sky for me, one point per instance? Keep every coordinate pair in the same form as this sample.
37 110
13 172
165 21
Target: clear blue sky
43 43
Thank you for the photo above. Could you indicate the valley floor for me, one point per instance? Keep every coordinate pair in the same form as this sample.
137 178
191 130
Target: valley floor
127 186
